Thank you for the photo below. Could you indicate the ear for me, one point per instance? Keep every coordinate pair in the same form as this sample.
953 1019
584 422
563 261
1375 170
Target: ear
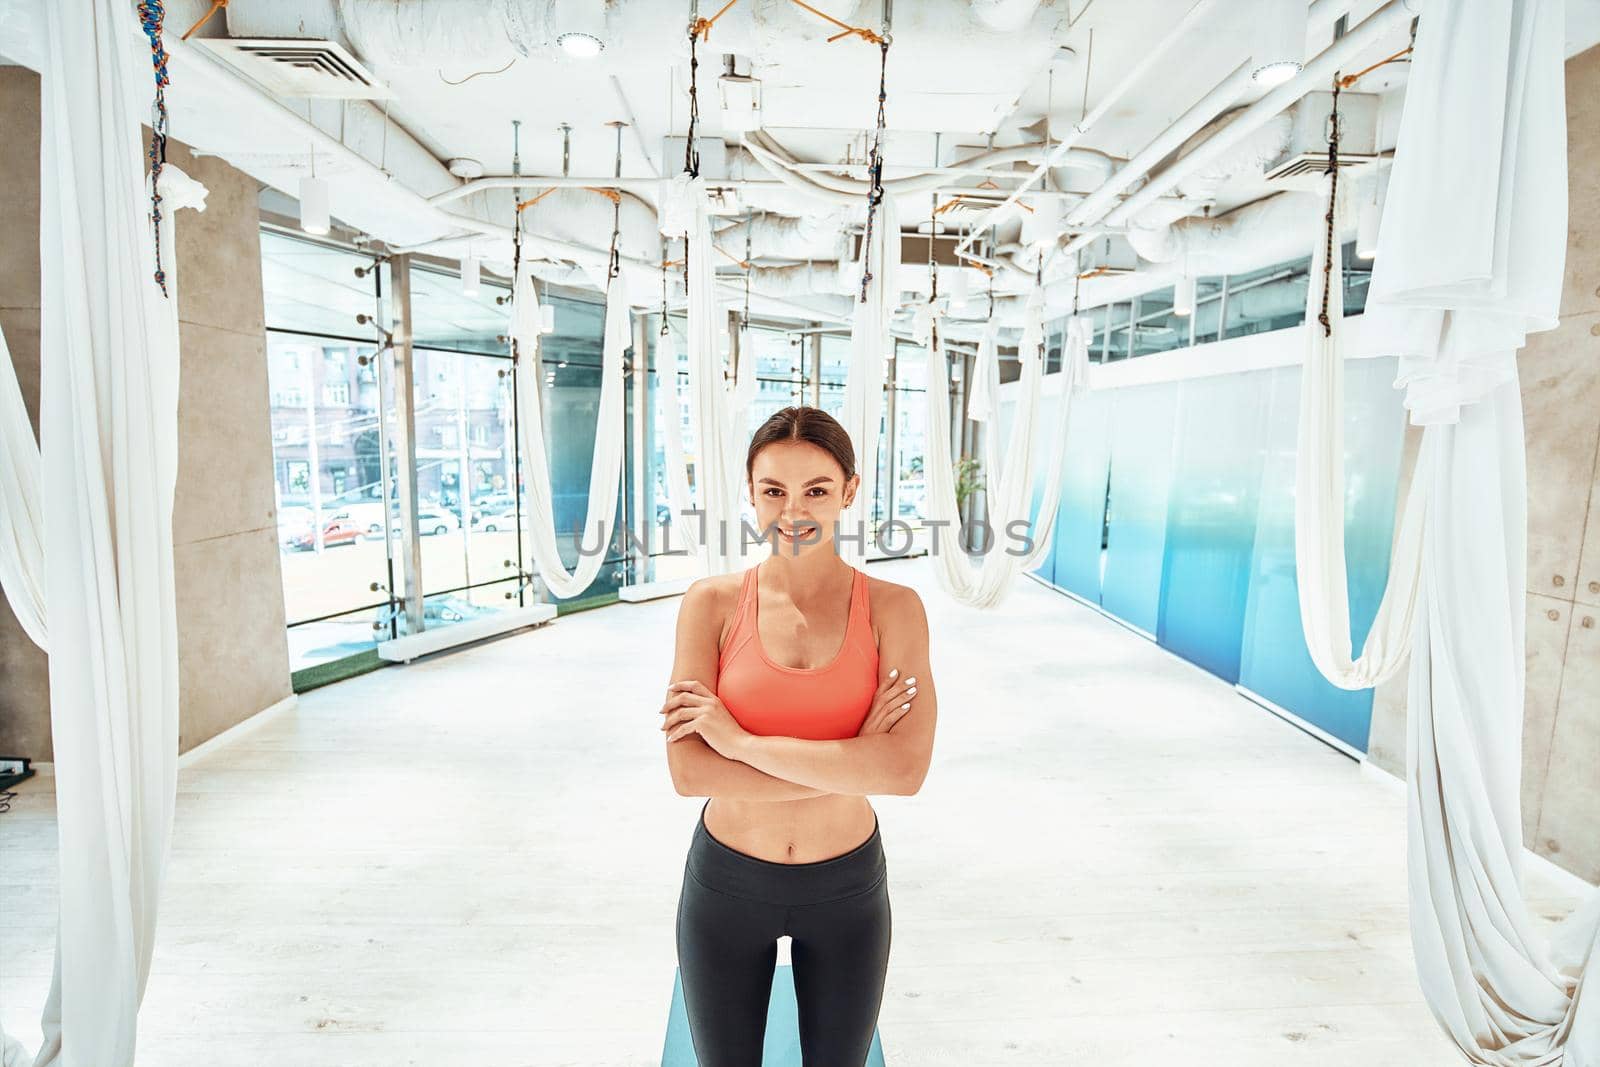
851 487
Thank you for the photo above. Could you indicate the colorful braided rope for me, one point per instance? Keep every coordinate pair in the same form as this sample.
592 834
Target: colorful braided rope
151 15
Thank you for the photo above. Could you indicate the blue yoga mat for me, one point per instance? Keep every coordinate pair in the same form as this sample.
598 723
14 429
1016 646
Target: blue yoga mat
782 1046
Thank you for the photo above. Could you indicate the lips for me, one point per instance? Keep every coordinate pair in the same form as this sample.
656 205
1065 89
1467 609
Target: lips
796 532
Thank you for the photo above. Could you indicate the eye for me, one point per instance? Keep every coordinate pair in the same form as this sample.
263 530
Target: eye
817 490
772 491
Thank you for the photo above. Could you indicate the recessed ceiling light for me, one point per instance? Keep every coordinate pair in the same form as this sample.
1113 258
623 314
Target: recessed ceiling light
462 167
1279 45
580 27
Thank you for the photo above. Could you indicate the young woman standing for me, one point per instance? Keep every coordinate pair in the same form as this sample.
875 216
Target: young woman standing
799 688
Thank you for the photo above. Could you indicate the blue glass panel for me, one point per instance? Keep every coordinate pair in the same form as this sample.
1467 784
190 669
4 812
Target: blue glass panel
1211 519
1274 660
1141 477
1080 525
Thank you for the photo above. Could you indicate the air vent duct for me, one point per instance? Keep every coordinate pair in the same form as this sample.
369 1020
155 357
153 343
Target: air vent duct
298 66
1305 159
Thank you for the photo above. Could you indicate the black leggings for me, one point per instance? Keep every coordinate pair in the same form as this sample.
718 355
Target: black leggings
732 911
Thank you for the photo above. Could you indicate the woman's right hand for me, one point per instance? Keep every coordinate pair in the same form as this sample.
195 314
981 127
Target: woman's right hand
889 704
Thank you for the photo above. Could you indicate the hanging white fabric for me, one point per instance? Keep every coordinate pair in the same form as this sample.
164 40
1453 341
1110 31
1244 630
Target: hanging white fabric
605 469
1498 990
1010 482
1319 501
719 470
1469 261
108 459
870 344
669 410
985 389
1477 194
21 507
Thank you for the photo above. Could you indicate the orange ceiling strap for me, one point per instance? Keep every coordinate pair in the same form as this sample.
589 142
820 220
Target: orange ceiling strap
846 29
216 5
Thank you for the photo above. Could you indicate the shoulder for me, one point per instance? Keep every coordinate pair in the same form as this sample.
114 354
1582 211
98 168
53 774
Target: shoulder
895 607
709 604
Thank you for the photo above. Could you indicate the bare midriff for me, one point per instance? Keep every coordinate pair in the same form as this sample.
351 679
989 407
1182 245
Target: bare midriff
792 831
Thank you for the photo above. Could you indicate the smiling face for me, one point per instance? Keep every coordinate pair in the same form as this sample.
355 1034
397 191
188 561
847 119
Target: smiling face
799 490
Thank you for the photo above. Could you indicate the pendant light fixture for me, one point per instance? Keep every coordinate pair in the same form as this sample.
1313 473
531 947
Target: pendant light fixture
314 212
471 272
1370 219
1183 295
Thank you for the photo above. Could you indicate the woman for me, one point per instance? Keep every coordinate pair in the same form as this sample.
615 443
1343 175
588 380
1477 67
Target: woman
800 688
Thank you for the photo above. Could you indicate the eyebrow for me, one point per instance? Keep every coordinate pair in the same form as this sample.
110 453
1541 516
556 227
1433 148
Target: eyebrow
808 485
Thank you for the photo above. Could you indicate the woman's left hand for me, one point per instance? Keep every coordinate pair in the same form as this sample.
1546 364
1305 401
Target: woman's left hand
691 708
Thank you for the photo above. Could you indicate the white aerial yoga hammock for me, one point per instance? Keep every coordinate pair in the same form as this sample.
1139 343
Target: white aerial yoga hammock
605 471
1470 260
710 527
108 458
1010 483
1319 510
669 410
870 342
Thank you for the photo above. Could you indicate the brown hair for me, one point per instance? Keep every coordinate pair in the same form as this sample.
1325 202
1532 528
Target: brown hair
811 425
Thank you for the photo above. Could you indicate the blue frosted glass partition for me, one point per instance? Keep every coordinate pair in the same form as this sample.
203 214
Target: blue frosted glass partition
1193 483
1136 518
1275 662
1075 559
1211 519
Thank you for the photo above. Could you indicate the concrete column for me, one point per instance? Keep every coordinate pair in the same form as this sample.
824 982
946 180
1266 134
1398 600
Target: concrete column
233 650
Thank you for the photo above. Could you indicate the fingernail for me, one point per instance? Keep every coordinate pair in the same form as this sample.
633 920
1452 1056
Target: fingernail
905 706
911 681
912 691
894 672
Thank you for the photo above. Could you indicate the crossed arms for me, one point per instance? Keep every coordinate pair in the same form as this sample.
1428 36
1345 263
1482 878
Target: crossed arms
790 768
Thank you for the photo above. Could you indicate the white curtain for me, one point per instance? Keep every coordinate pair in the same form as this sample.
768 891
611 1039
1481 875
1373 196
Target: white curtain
870 345
605 471
1010 483
1470 260
109 456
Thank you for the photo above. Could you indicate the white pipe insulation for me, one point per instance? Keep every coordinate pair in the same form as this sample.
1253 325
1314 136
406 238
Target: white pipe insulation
816 236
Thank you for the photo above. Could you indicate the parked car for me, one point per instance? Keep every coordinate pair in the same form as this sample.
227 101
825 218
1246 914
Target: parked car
436 521
369 516
504 519
292 522
335 532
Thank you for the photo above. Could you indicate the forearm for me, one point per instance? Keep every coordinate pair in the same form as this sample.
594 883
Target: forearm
704 772
869 765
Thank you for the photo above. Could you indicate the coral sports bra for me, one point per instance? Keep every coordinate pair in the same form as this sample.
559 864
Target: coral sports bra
827 703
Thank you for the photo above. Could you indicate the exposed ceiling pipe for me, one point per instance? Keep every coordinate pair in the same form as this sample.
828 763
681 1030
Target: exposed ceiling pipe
1204 110
260 109
633 124
636 186
1178 30
1317 74
1270 230
767 150
819 236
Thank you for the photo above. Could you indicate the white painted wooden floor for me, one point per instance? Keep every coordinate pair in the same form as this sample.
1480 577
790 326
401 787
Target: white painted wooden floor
475 861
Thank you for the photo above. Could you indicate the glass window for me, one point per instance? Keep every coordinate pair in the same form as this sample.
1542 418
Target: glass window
1273 298
1158 328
